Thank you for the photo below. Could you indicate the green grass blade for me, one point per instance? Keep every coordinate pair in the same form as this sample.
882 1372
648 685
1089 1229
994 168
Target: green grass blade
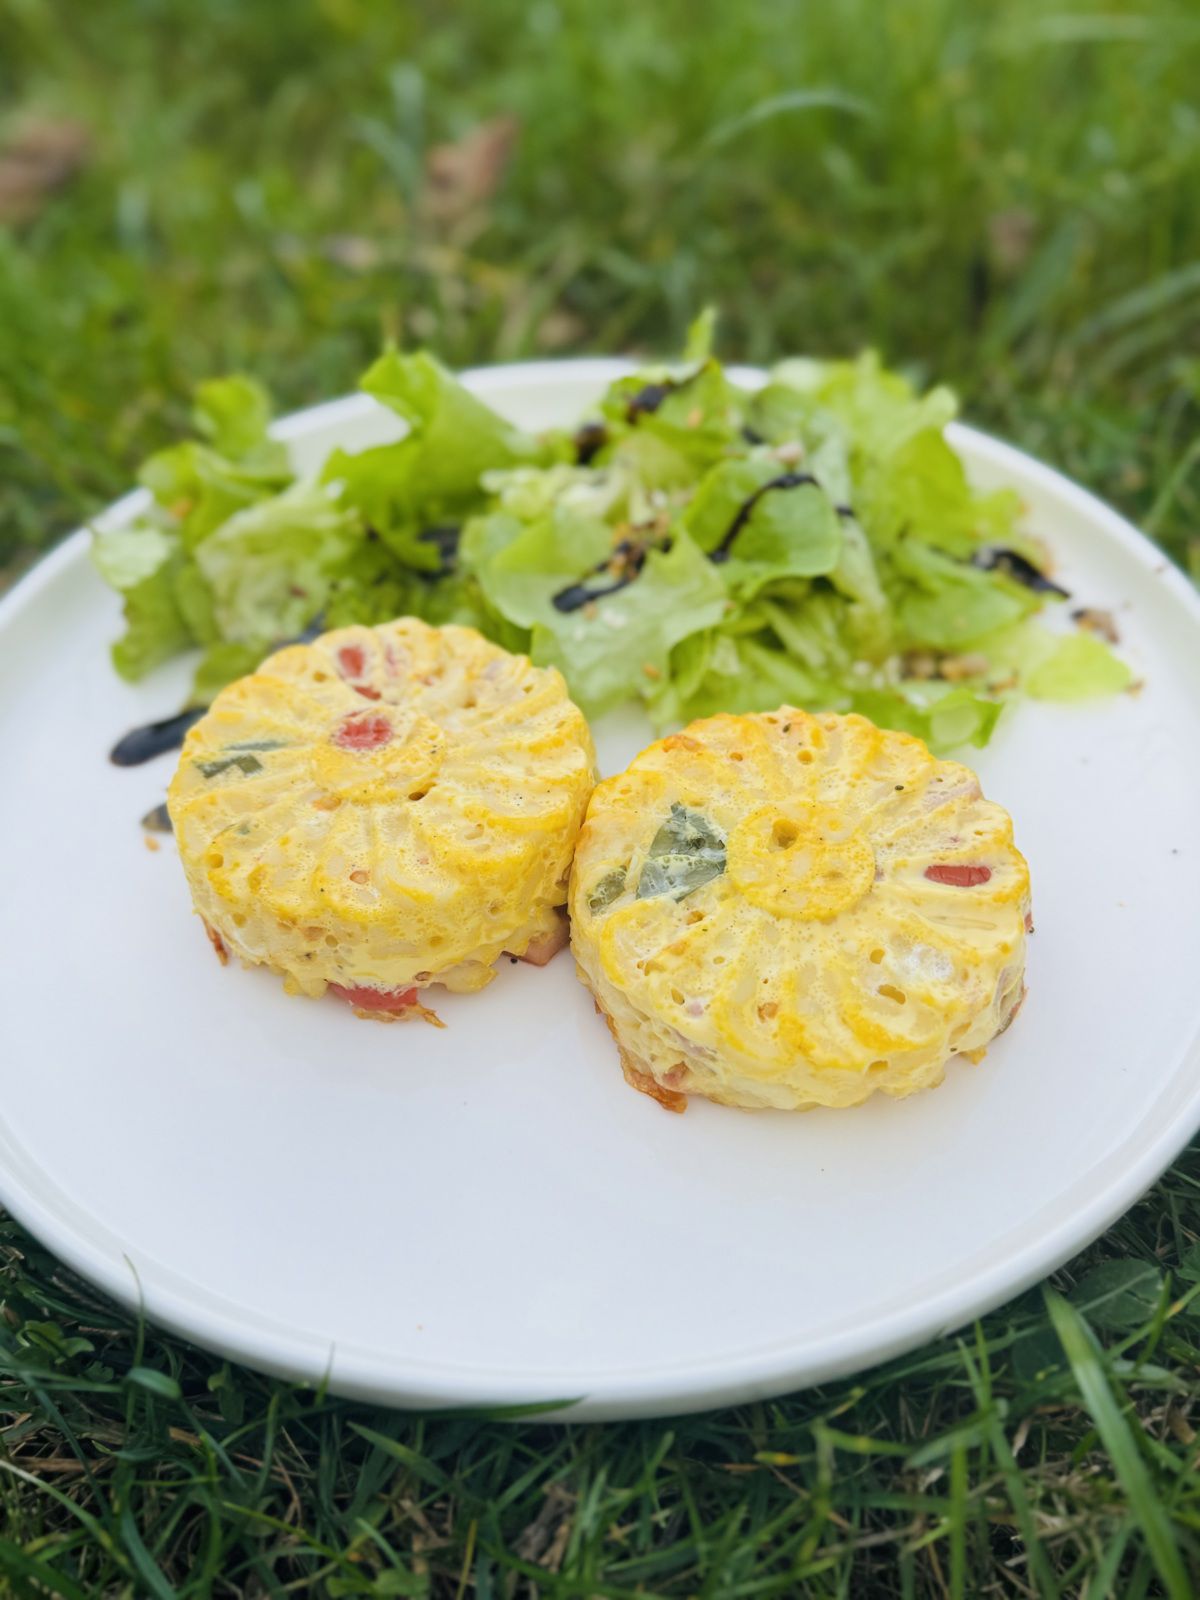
1086 1359
420 1466
41 1576
819 99
151 1573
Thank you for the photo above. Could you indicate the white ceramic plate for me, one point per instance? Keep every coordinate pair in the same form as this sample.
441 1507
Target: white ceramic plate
487 1215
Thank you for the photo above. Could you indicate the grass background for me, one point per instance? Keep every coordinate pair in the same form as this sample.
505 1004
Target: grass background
1004 196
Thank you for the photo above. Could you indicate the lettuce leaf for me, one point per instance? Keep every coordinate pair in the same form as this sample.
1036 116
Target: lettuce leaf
904 477
271 567
727 673
814 627
944 716
784 413
233 414
945 603
669 427
221 664
716 672
196 485
701 334
616 647
522 566
1055 666
141 563
195 601
1079 667
816 542
200 489
433 475
235 464
785 531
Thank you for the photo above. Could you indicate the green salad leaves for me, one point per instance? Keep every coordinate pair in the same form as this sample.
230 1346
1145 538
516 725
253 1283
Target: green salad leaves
693 545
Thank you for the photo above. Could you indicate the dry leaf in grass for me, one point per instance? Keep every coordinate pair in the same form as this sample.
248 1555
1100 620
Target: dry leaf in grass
464 175
544 1540
558 329
352 251
1010 235
40 156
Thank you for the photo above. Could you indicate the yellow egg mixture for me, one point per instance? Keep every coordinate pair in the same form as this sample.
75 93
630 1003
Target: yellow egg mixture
790 910
384 808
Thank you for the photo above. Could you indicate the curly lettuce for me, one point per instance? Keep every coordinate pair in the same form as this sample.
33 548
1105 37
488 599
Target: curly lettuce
430 479
692 546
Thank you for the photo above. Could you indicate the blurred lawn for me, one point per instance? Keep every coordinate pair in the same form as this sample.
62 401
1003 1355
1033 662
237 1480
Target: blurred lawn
1003 195
999 195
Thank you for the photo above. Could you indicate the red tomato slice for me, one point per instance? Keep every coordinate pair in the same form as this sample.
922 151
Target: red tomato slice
352 662
374 999
960 877
363 731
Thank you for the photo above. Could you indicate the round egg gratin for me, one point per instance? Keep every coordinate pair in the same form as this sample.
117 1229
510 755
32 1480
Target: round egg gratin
384 809
788 910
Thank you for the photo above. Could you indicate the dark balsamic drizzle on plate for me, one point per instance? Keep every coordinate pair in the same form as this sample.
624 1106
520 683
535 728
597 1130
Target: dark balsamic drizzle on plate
1019 568
314 631
158 819
154 738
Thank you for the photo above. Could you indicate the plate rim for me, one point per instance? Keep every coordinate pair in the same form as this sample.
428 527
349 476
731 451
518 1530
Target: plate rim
365 1374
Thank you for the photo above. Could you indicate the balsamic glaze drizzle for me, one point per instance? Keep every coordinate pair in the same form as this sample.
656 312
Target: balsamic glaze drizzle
444 536
650 396
155 738
1019 568
589 439
143 744
785 480
632 558
158 819
577 595
314 631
